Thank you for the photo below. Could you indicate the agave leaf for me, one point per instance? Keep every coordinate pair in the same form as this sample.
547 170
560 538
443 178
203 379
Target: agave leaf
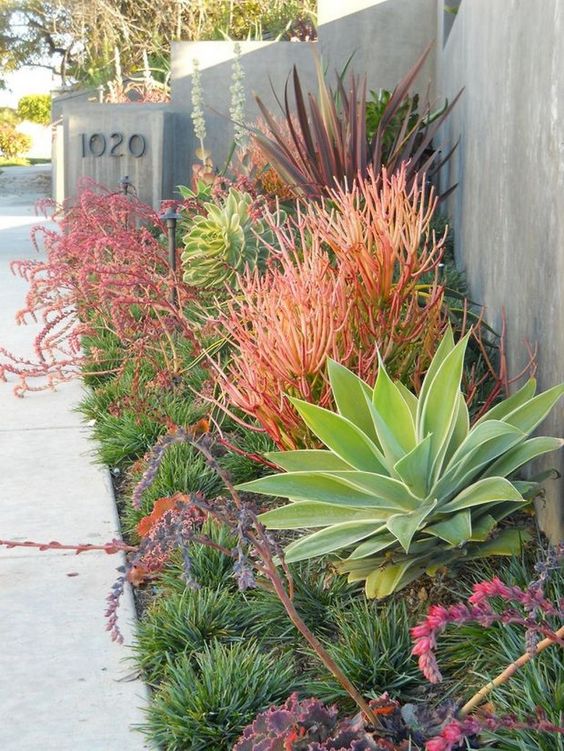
404 526
305 514
454 530
522 454
529 490
380 486
329 540
483 526
508 542
392 417
343 437
461 428
501 410
307 459
384 581
446 345
372 545
317 486
488 490
415 468
349 392
483 445
527 416
439 406
485 433
410 399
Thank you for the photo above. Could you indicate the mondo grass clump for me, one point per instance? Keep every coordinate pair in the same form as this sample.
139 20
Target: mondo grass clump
372 646
182 623
208 698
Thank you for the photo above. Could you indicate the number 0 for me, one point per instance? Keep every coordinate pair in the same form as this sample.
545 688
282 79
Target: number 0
136 145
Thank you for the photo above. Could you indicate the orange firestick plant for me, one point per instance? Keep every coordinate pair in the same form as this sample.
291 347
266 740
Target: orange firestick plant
351 274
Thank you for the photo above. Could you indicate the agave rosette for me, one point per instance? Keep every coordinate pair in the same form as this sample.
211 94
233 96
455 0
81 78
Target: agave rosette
405 485
223 241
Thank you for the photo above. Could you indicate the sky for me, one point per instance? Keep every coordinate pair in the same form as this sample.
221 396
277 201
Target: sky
27 80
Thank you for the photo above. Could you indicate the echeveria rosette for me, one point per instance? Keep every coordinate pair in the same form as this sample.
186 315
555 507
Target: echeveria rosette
224 241
405 485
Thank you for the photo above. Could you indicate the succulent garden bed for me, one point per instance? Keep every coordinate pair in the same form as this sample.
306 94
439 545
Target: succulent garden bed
313 443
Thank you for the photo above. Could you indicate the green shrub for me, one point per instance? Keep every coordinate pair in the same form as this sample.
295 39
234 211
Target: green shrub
185 622
373 648
318 593
13 143
36 108
210 567
209 698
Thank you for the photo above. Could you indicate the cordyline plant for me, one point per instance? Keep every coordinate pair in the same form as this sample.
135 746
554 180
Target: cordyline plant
348 276
405 486
104 270
329 144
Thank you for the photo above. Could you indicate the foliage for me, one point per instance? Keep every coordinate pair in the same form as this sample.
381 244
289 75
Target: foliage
12 142
184 623
472 655
346 279
225 240
106 262
8 116
527 607
36 108
405 483
371 644
329 146
309 724
320 597
209 697
78 40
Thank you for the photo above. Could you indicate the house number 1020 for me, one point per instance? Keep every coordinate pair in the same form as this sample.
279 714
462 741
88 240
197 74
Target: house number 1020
116 144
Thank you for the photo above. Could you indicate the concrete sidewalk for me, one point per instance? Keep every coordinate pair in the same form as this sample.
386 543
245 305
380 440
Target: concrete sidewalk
63 684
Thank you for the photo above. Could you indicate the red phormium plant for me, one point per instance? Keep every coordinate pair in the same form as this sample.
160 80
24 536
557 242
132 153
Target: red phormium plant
348 280
104 269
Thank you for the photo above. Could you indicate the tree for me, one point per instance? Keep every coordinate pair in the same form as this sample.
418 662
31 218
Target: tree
77 39
36 108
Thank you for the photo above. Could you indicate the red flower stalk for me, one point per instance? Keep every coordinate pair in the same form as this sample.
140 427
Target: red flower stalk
526 607
105 268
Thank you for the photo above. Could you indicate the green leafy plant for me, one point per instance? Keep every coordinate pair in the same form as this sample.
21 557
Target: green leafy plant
406 486
12 142
223 241
36 108
209 698
371 643
184 622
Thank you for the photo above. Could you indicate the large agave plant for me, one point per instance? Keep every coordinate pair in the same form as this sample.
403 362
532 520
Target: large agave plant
223 241
405 485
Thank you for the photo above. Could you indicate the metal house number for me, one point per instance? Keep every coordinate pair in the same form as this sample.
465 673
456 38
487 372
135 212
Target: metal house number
116 144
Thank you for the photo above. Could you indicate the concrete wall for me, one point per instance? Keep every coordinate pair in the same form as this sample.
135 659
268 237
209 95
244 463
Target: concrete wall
385 38
508 211
155 173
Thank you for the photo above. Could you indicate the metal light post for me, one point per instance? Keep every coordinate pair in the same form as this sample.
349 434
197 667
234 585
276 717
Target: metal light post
170 218
125 184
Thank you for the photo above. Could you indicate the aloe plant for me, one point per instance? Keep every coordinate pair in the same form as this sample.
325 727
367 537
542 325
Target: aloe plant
405 485
223 241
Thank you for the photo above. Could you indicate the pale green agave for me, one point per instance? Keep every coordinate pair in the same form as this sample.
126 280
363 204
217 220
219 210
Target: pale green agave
405 485
223 241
